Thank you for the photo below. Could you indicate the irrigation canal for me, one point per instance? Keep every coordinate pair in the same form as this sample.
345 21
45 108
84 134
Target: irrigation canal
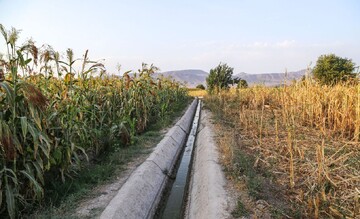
182 177
174 206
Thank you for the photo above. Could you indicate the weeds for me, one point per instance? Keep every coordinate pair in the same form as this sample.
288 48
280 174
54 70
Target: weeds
306 135
240 210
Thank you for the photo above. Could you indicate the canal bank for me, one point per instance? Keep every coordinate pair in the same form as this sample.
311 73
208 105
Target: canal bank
182 178
141 194
208 197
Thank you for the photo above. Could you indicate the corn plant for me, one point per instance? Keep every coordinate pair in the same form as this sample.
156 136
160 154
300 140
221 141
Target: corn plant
25 145
53 117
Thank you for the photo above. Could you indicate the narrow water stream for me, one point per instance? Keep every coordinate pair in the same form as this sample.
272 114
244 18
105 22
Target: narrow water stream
174 205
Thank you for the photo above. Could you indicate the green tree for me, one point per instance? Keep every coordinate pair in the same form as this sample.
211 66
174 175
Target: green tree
200 86
331 69
242 84
219 78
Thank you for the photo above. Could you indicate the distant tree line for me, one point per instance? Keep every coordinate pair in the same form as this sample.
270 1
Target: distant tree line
329 70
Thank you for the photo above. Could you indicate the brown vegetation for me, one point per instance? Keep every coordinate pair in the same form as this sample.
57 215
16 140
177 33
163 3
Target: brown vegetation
306 136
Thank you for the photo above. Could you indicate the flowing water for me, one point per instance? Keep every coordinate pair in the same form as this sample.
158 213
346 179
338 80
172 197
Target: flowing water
174 205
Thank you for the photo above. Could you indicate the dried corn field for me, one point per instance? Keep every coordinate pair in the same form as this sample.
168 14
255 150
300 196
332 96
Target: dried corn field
195 92
306 136
57 111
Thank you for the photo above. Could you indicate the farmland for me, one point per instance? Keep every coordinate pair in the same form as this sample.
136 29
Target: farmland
295 147
55 117
194 92
66 125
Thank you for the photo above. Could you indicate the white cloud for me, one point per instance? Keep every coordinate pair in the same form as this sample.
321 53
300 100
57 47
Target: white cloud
259 45
280 44
285 43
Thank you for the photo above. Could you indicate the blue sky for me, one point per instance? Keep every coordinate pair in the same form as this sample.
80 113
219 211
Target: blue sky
252 36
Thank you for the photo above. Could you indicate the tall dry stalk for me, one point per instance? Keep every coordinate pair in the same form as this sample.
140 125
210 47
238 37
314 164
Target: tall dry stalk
291 161
310 132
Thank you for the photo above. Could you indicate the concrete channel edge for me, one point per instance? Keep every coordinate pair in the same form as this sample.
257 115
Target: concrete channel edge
141 193
207 196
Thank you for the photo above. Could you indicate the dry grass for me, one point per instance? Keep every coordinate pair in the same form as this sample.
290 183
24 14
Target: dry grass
195 92
307 136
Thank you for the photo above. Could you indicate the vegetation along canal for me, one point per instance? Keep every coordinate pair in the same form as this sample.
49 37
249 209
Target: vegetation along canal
174 205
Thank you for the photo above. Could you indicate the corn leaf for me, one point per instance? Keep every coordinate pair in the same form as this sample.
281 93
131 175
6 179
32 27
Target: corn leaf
9 92
38 189
1 191
10 201
24 126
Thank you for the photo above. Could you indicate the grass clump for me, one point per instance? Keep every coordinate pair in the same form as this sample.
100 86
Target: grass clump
240 210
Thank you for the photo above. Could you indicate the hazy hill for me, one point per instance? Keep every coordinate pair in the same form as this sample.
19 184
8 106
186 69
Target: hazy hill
270 79
193 77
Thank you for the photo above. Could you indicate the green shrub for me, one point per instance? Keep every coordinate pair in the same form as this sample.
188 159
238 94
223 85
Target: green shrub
331 69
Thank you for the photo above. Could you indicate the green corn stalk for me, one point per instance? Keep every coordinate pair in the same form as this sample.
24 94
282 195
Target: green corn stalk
38 136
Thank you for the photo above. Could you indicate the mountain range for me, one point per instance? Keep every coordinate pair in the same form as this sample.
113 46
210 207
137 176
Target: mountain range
193 77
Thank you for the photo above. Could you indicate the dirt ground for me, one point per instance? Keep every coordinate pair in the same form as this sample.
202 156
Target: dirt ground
100 196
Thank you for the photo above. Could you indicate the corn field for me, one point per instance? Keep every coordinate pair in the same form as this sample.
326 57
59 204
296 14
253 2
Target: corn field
194 92
307 135
53 117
